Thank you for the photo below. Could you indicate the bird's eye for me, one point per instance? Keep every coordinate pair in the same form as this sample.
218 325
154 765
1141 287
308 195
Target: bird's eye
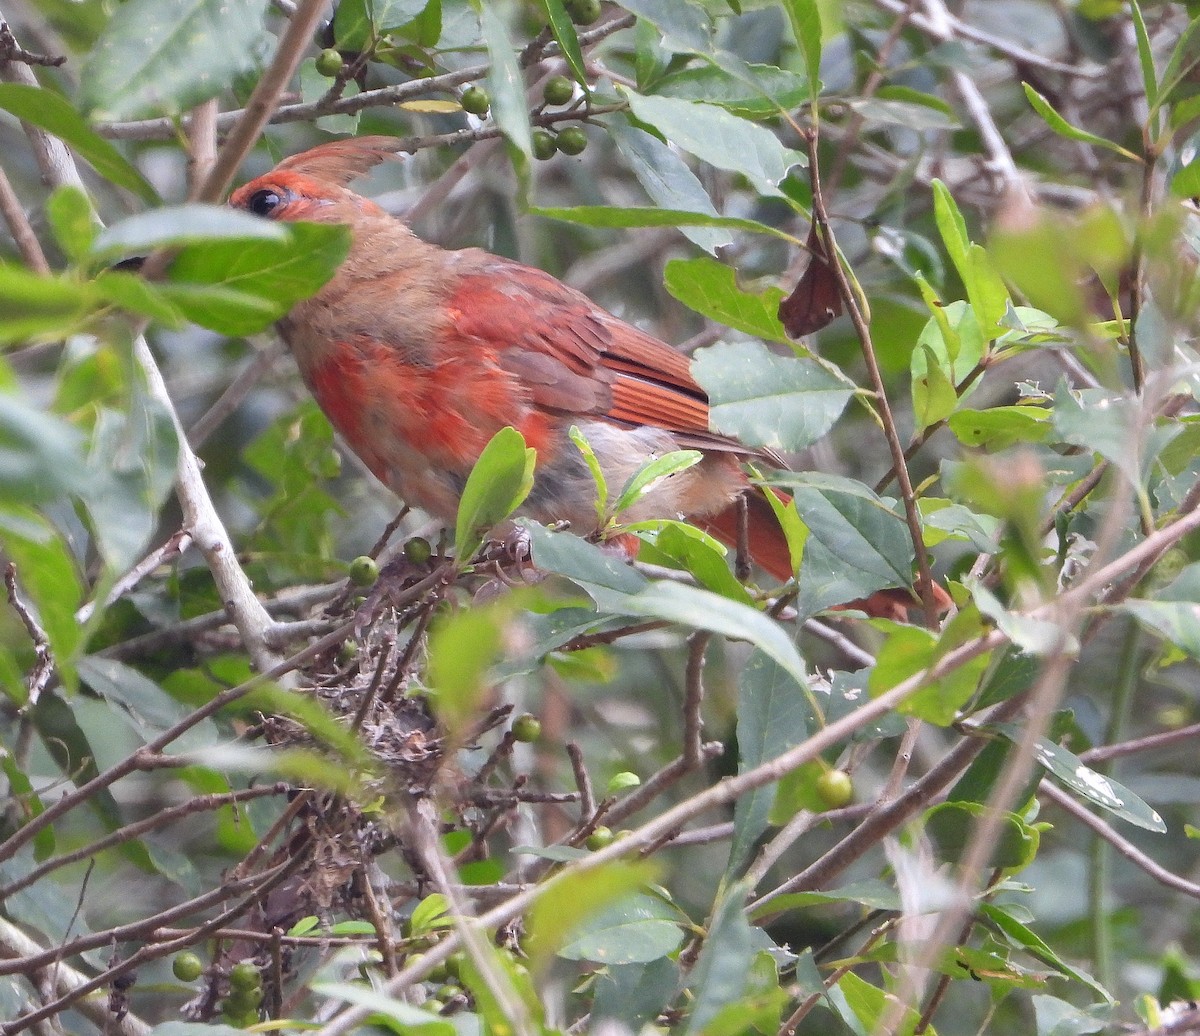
263 203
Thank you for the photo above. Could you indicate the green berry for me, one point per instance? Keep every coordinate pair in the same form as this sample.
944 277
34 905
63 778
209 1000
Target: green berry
544 144
363 570
456 964
187 967
558 90
526 728
244 977
329 63
835 788
600 837
418 550
572 140
475 100
583 12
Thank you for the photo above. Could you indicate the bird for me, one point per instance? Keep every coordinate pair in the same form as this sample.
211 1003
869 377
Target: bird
418 355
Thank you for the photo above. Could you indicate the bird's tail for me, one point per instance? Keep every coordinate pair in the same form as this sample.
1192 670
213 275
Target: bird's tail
768 548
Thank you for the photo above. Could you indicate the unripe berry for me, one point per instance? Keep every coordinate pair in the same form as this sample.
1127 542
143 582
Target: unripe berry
363 571
572 140
558 90
475 100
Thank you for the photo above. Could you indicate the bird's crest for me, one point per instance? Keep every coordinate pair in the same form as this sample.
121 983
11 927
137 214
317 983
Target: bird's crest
341 161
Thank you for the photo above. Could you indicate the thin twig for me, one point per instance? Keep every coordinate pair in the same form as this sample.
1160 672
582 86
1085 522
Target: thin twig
854 310
43 666
18 225
583 781
693 725
198 804
176 544
1131 852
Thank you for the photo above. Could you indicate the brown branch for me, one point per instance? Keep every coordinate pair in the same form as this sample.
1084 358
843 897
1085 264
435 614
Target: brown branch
263 101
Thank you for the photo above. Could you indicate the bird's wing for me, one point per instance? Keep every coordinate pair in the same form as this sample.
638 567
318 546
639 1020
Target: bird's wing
576 358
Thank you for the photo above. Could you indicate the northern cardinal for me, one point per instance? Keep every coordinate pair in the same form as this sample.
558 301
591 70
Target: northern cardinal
419 355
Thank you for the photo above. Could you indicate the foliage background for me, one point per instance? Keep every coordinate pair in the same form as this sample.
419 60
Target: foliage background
1008 185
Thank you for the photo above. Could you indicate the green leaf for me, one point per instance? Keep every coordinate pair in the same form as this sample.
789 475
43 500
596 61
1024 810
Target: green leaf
806 26
633 995
132 464
719 138
597 473
872 894
680 545
509 108
1175 621
711 289
767 90
565 35
617 588
722 970
918 117
1145 55
763 399
856 543
413 1020
951 826
47 578
181 225
651 473
907 651
1001 426
239 287
497 486
429 914
41 456
626 218
608 580
1186 182
933 395
1064 129
1083 780
163 59
773 715
49 111
869 1005
1023 936
636 929
572 899
35 305
956 340
73 221
950 224
667 179
685 26
137 295
463 645
1038 637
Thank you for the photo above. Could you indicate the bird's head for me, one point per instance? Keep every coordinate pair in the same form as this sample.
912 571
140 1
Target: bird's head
311 186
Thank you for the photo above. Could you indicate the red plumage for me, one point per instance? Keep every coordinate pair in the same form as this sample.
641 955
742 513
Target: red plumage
419 355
